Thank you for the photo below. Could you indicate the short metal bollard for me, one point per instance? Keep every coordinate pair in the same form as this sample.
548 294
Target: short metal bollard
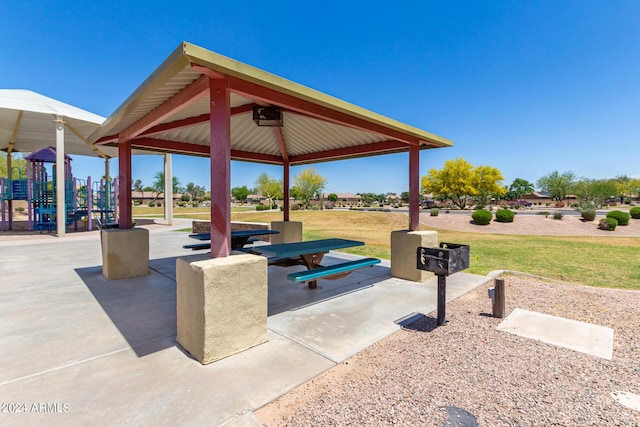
497 296
449 258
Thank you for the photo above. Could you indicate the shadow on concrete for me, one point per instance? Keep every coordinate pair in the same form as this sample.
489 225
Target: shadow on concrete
142 308
285 295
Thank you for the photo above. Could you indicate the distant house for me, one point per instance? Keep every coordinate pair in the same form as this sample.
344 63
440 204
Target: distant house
542 198
348 198
146 197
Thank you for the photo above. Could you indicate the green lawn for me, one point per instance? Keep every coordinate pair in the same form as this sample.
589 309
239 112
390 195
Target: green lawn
598 261
158 211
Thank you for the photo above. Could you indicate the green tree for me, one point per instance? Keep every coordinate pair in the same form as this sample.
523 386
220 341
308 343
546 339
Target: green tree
593 193
158 185
137 186
309 183
240 193
487 184
633 187
18 165
557 184
404 197
459 179
367 198
519 187
455 180
195 192
270 188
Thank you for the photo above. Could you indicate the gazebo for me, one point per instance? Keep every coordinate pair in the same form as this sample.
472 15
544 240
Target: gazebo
205 104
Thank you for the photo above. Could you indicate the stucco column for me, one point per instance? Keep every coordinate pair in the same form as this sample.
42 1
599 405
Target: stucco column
221 304
404 253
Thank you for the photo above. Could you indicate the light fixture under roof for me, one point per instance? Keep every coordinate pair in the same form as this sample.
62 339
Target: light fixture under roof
267 116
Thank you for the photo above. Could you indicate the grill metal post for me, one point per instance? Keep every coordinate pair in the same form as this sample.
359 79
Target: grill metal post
442 300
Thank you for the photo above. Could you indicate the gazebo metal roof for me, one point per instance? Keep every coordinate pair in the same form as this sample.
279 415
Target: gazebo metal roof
201 103
169 112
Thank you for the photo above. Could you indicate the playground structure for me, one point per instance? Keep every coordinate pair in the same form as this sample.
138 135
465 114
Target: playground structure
85 200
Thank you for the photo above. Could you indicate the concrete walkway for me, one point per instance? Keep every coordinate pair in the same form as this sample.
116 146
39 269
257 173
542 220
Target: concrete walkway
79 350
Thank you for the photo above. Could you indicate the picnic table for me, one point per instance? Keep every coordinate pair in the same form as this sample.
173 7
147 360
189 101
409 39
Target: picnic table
239 238
310 253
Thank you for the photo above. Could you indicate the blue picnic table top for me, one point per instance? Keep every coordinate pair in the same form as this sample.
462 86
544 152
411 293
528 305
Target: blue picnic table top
291 250
236 234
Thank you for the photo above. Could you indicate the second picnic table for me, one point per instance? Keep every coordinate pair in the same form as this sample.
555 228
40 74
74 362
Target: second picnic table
239 238
308 253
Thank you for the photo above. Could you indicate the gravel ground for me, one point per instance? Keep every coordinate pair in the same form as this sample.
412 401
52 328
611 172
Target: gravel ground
411 377
569 225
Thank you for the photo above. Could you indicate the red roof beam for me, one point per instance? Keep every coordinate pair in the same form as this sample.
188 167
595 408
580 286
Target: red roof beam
172 146
283 148
249 156
375 148
179 101
263 94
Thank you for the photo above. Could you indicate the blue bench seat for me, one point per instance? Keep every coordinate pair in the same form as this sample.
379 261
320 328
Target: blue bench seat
207 245
329 271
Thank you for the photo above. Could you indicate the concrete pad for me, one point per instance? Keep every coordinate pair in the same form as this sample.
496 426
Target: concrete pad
340 327
578 336
625 398
108 350
166 387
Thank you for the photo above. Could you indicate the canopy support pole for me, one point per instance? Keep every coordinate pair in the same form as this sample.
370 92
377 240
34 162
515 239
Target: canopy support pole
168 190
414 188
285 191
124 179
10 201
61 208
220 156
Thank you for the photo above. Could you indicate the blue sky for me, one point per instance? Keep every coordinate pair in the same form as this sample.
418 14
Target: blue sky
525 86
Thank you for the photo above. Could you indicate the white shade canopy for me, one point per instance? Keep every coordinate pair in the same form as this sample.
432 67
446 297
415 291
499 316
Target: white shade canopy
26 124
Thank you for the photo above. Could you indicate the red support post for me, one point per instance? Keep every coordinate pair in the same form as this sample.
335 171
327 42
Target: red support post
285 192
220 151
414 188
124 177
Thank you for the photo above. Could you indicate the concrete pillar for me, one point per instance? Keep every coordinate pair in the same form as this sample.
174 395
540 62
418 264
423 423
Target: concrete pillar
125 253
221 305
404 247
61 210
290 231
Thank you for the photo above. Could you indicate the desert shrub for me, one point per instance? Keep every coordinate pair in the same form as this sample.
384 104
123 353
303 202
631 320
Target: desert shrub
635 212
608 224
588 214
295 207
434 211
20 209
482 217
545 213
151 204
505 215
314 208
557 215
261 207
137 202
621 217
